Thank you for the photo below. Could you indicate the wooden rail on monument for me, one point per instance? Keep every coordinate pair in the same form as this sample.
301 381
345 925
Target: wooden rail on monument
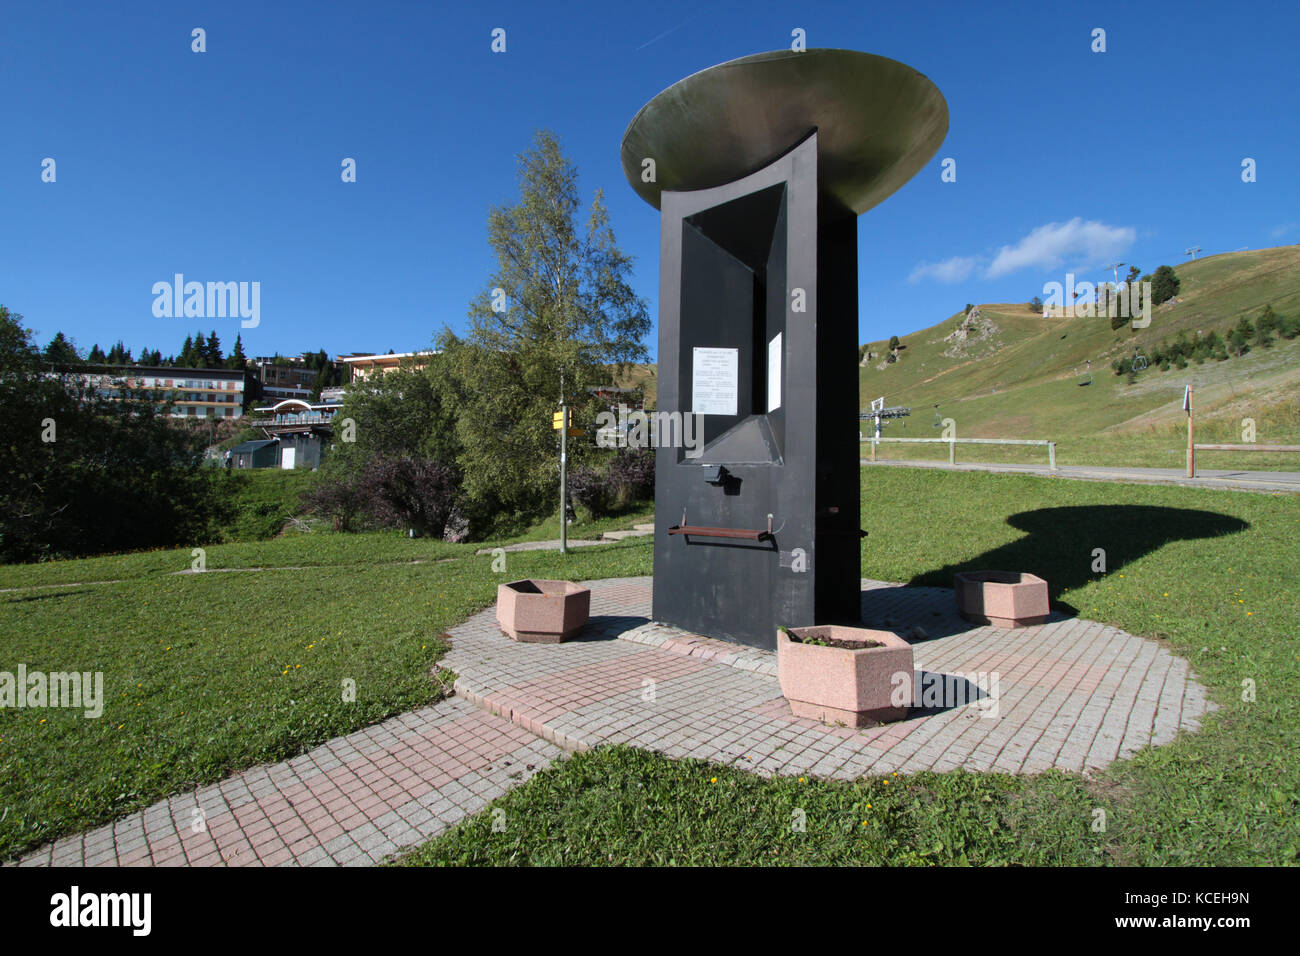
706 532
703 532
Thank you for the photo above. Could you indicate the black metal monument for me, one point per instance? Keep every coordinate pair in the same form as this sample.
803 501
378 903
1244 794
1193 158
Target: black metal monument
760 168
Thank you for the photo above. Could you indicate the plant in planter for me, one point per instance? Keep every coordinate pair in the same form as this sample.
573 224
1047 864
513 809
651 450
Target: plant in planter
1001 598
542 612
845 675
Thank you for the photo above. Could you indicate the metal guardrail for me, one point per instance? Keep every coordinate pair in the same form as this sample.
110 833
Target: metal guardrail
1251 447
952 444
1197 446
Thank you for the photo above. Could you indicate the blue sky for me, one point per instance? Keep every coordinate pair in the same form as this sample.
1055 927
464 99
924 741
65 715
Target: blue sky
225 165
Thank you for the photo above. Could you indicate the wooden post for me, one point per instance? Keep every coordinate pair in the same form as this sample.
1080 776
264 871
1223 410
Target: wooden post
1051 455
1191 447
952 451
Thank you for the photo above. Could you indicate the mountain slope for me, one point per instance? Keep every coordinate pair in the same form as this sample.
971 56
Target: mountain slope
1017 375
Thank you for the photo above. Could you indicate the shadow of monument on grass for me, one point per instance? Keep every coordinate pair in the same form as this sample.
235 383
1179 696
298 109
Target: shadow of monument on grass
1060 544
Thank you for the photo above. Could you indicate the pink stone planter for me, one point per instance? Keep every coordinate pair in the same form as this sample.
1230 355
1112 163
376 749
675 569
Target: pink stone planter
837 685
1001 598
542 612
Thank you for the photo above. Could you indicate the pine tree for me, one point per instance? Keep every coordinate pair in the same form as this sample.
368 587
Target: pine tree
61 351
1268 320
213 349
96 355
238 360
1164 285
1237 342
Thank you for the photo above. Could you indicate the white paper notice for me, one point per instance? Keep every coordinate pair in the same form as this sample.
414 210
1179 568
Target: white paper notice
715 374
774 373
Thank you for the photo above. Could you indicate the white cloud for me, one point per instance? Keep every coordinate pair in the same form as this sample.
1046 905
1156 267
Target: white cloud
1282 231
1080 243
949 270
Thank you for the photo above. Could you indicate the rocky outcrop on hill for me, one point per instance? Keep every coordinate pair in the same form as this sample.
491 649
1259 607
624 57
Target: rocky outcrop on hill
971 336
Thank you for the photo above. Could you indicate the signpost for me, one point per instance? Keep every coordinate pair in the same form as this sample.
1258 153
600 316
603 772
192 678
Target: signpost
560 421
1191 448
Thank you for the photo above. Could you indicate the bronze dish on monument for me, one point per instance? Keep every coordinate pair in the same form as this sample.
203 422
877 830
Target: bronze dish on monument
878 123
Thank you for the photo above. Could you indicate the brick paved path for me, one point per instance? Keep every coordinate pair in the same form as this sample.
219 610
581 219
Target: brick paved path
353 800
1070 693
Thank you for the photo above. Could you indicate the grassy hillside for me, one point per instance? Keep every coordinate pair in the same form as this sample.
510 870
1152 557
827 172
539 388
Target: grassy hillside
1018 375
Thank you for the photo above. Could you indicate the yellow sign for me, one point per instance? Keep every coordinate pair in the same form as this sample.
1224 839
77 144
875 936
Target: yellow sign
557 420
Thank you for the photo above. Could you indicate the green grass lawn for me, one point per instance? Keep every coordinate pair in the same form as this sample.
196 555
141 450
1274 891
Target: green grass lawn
1212 574
208 674
621 806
